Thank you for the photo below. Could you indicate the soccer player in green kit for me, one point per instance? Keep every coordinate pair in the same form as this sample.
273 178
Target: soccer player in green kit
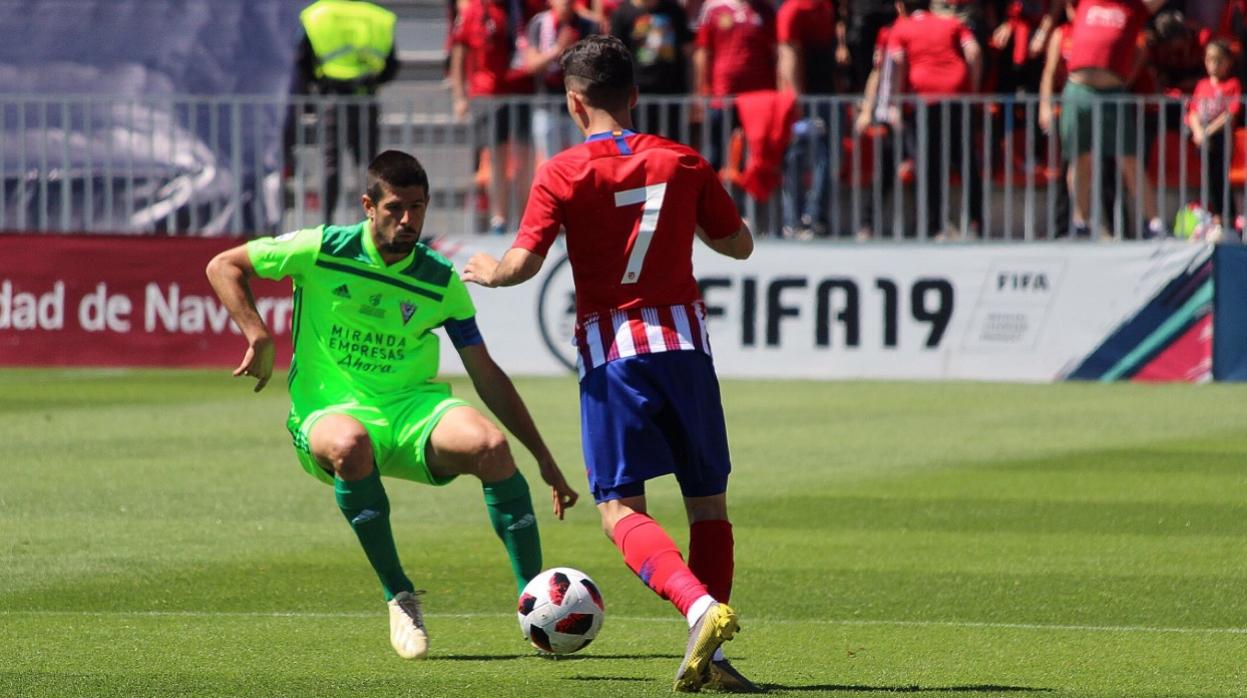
363 400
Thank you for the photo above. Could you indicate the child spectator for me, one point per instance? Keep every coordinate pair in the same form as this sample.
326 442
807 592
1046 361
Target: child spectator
1214 108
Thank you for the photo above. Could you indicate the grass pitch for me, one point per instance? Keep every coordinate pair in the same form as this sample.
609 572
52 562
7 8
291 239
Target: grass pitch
157 538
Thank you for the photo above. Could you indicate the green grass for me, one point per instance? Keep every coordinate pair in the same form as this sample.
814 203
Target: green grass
158 539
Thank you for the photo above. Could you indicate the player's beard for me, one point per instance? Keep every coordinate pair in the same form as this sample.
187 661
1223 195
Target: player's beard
399 245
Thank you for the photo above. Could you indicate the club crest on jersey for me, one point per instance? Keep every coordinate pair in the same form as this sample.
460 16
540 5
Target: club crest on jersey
342 291
409 309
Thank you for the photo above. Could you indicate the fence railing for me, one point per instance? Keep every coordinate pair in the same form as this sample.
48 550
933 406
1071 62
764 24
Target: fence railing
973 168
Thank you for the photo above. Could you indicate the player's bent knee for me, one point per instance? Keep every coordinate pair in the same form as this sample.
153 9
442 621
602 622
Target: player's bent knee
493 456
346 449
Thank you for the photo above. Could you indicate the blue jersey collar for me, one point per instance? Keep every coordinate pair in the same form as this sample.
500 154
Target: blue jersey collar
610 134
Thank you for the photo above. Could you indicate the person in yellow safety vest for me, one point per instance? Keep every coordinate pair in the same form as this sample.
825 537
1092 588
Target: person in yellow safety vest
348 49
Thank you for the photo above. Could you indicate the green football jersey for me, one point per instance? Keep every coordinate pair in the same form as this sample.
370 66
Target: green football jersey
362 330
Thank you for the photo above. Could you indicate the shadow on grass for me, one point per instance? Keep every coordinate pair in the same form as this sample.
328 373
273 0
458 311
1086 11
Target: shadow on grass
549 657
984 688
610 678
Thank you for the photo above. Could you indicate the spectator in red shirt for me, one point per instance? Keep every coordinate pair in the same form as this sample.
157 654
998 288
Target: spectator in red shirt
937 57
485 63
1214 108
736 48
1055 73
1103 58
735 53
806 30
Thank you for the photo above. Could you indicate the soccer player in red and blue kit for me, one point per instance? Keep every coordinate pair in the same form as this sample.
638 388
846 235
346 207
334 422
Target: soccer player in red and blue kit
630 205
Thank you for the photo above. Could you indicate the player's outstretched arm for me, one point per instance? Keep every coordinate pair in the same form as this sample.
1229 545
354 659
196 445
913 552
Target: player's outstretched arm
517 266
738 245
500 396
228 273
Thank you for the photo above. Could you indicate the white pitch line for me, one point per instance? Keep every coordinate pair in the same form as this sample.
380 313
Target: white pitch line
650 619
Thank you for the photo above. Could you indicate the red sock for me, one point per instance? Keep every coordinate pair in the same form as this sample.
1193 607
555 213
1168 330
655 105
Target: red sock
710 556
652 555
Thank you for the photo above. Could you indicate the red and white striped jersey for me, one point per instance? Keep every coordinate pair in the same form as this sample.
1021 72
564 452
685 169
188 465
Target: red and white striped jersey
603 337
630 205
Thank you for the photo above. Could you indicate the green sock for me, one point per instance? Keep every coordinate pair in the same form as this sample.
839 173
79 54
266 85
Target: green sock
511 512
367 509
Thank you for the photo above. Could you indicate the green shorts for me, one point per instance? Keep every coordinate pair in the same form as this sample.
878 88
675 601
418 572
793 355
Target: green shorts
1078 109
399 431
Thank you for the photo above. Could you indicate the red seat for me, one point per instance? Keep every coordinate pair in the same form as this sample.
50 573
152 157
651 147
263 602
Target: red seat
1238 163
1173 143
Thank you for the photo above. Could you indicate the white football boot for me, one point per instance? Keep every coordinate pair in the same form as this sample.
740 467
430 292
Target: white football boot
407 626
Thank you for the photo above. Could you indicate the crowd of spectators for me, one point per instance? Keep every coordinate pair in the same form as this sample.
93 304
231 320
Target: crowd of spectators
921 50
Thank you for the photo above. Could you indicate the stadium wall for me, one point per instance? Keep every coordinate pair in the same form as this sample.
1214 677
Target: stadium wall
1042 312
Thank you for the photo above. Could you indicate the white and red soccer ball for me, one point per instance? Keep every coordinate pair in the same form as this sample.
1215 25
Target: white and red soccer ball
561 610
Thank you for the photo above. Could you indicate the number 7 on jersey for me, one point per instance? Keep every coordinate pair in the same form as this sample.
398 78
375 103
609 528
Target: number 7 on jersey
652 196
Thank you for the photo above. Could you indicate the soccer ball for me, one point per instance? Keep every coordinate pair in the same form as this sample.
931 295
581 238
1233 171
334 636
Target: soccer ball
561 610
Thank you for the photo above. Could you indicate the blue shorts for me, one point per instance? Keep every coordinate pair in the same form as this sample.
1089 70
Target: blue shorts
647 416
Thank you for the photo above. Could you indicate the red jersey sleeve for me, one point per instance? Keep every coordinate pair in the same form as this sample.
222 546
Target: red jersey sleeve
459 31
964 35
543 216
896 36
1234 92
716 212
705 32
785 23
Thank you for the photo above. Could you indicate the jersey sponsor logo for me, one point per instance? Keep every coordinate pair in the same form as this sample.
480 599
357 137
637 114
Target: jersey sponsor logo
368 352
342 291
408 309
373 309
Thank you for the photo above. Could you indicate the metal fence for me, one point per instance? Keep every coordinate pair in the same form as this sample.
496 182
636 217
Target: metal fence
974 168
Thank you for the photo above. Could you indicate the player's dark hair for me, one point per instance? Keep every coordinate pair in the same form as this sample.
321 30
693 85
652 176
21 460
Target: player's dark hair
912 6
394 168
600 68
